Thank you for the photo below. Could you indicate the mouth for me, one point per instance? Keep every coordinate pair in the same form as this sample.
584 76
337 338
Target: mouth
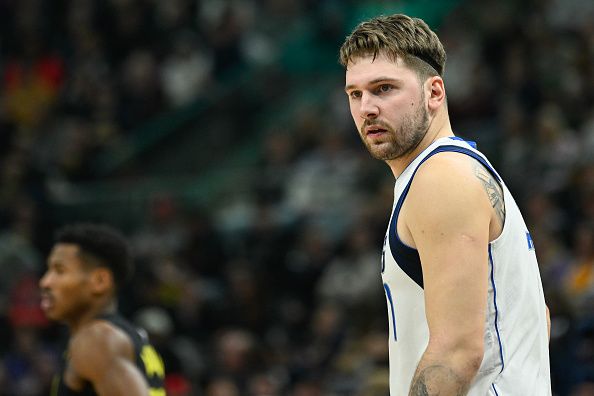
47 302
374 131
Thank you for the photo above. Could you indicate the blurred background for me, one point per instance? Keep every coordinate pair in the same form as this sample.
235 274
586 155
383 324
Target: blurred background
216 135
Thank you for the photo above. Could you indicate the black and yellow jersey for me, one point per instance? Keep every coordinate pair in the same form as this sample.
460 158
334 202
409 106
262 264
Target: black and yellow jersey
147 359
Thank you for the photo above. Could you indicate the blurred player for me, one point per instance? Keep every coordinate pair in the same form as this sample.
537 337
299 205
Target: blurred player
466 309
106 355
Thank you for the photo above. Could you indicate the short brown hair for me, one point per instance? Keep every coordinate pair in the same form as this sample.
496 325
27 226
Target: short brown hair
397 36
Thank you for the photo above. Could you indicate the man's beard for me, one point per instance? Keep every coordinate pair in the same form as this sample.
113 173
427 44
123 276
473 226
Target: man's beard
398 144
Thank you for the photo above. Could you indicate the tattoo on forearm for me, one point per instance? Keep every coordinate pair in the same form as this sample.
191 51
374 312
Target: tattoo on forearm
493 189
437 380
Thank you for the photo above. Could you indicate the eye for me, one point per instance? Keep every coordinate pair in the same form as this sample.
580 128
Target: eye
384 88
355 94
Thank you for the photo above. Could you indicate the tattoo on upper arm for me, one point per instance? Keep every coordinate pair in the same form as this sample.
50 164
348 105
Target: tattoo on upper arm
493 189
436 380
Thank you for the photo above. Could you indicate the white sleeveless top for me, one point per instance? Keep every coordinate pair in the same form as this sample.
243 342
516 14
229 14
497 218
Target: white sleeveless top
516 353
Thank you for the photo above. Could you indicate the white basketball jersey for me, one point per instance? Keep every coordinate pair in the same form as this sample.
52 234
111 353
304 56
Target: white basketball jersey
516 353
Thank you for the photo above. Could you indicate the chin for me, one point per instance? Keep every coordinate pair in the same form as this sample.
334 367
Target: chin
383 155
52 315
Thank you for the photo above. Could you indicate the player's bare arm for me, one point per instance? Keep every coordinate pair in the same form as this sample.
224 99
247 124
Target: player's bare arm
493 190
447 218
549 322
103 355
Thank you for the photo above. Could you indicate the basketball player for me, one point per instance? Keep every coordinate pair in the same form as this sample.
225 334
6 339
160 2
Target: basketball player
106 355
466 310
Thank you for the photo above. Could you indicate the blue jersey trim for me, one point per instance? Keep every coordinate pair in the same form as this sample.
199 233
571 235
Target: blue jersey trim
470 142
496 310
470 153
389 295
406 257
529 240
495 390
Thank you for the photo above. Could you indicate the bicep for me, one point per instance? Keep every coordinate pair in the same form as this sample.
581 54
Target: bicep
449 223
121 378
455 274
104 356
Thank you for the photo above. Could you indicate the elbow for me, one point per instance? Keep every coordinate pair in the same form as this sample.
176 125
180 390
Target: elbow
464 354
469 357
473 358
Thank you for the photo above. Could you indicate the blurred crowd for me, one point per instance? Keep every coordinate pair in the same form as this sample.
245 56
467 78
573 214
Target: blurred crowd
276 289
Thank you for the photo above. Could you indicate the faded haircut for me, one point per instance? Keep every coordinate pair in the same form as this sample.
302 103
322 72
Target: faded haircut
397 36
102 246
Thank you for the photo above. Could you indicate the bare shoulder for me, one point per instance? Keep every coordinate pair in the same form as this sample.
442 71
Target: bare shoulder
445 194
98 345
446 176
460 174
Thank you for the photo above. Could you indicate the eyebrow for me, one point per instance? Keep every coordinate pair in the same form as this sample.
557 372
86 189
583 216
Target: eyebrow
374 81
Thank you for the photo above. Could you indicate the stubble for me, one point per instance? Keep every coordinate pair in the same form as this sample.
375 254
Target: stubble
398 143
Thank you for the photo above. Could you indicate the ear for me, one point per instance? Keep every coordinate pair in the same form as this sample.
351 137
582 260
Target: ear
101 280
436 90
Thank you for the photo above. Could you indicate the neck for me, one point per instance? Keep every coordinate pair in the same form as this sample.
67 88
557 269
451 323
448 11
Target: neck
91 314
439 127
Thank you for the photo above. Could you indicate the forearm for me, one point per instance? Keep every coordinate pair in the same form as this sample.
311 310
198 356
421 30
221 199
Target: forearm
444 374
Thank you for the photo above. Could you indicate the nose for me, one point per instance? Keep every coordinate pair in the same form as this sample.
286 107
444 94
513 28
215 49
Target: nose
368 108
44 282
